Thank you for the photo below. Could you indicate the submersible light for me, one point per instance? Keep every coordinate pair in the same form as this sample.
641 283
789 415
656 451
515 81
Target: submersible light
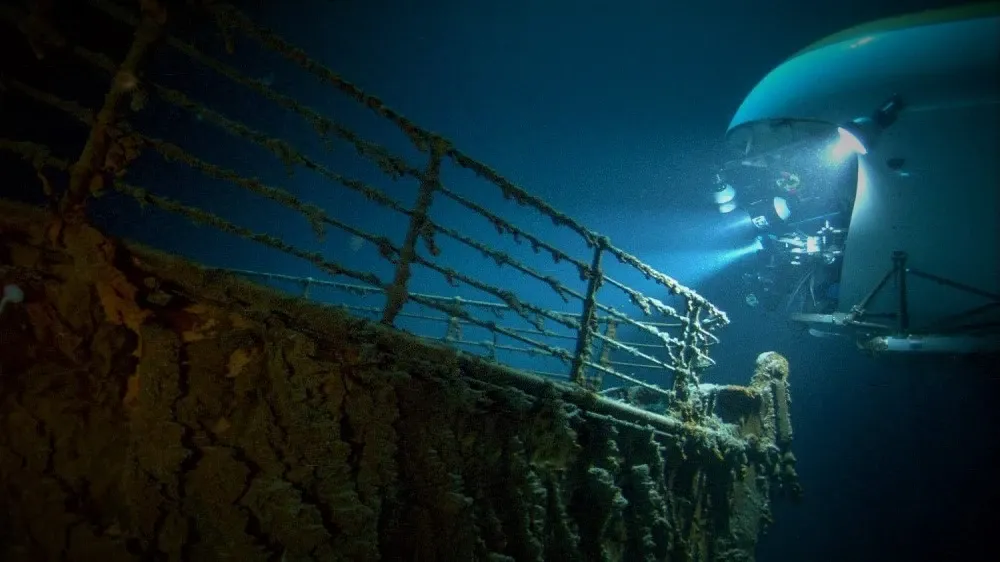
767 213
860 135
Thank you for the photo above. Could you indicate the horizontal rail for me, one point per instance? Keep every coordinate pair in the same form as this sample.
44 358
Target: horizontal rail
679 345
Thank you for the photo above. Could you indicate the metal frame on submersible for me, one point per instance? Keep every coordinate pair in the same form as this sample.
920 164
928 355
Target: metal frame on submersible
948 334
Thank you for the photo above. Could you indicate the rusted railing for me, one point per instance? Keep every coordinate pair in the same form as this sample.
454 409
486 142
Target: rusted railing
449 329
680 335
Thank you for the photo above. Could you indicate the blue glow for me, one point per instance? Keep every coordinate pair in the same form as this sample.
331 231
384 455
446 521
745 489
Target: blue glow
727 207
713 262
736 226
752 248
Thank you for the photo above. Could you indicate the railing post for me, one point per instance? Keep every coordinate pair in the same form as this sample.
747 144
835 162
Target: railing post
83 174
453 331
397 293
686 375
596 378
585 334
899 263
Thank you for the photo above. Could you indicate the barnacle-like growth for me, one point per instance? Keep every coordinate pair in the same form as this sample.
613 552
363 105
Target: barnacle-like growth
770 366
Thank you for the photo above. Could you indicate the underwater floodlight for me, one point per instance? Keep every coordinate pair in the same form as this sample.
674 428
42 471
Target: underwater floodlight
727 207
846 145
767 213
781 208
858 136
724 193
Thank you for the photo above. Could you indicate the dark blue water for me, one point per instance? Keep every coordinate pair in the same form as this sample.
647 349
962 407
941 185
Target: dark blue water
614 112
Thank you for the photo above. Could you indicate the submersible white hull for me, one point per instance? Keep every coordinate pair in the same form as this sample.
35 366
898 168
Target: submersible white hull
921 261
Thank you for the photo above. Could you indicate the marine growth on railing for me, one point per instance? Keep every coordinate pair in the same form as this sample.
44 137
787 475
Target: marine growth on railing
670 335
